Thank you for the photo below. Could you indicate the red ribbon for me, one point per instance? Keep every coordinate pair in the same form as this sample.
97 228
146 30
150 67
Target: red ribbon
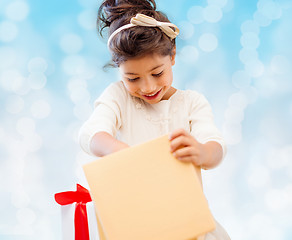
81 197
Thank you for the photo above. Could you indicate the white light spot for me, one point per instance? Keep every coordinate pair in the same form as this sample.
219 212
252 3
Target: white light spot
76 83
259 176
11 80
270 9
20 199
14 104
17 11
8 57
25 126
250 40
37 64
238 100
250 93
229 6
82 112
86 19
8 31
234 115
247 55
208 42
37 80
40 109
2 135
71 43
250 26
212 13
219 3
186 30
195 15
262 20
26 216
33 142
255 68
73 65
232 133
241 79
283 156
87 3
277 200
189 54
280 64
80 96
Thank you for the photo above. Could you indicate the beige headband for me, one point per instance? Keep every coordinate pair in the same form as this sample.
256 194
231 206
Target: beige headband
143 20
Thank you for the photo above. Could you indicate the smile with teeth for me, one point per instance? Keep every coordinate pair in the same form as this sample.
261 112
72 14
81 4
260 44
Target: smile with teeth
154 95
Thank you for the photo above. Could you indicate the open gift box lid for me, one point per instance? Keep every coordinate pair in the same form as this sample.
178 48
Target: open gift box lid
143 192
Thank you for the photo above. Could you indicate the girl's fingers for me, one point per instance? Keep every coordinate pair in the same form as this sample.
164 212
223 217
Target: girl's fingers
183 152
178 142
177 133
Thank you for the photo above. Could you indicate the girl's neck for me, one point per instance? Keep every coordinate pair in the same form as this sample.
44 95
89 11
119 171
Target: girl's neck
169 93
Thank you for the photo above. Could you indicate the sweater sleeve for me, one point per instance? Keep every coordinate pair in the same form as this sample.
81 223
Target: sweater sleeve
106 116
202 121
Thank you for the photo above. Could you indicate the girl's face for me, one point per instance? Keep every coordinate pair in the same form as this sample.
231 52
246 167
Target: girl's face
149 78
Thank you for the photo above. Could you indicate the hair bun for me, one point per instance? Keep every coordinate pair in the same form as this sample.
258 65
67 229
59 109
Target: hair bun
111 10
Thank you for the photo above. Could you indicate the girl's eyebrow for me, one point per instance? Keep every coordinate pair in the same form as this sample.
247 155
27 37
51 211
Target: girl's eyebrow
129 73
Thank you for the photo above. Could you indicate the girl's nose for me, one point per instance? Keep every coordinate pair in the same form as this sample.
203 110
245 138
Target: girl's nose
148 86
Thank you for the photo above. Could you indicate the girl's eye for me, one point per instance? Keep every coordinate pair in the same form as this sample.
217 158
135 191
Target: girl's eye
158 74
133 79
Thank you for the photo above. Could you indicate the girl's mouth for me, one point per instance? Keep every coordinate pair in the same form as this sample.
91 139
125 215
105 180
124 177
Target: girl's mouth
152 96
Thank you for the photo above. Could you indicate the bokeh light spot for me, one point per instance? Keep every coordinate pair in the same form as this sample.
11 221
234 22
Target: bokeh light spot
73 65
280 64
26 216
247 55
241 79
212 13
186 30
17 10
250 26
220 3
8 57
250 40
262 20
25 126
37 64
255 68
11 80
14 104
208 42
270 9
195 15
8 31
71 43
189 54
40 109
37 80
86 19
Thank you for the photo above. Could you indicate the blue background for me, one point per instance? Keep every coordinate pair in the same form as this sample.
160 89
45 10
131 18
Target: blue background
237 53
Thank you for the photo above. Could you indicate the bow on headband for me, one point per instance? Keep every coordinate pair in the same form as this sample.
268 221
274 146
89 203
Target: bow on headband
169 29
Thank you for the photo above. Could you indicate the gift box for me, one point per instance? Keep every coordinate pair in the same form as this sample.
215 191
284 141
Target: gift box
79 220
144 193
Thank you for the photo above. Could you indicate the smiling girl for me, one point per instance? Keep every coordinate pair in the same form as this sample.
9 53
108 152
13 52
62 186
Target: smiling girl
144 105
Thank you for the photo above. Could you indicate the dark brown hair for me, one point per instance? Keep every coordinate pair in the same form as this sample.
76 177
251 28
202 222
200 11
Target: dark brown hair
136 41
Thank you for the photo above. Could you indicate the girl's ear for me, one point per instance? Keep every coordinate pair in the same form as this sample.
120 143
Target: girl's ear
173 56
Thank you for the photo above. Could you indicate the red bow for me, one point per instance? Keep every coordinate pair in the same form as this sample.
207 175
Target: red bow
81 197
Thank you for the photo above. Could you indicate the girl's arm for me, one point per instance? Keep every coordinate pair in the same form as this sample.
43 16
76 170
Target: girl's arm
187 149
103 144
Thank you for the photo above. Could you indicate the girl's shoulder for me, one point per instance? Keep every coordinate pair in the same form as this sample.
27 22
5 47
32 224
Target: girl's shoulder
191 96
115 92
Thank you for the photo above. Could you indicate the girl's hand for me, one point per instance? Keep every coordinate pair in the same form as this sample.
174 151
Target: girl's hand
186 148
